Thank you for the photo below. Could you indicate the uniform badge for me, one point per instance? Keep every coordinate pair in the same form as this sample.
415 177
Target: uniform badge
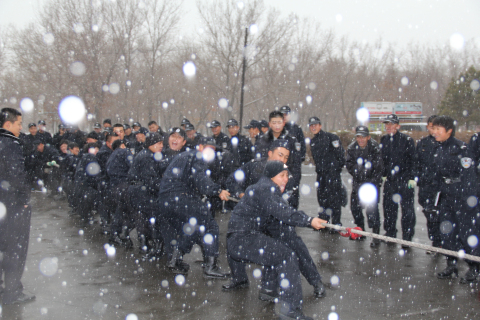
336 143
466 162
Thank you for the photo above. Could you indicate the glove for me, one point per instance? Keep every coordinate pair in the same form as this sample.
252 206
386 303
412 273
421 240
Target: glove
52 164
411 184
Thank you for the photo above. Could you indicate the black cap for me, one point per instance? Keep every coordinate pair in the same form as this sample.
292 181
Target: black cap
92 135
109 130
314 120
107 121
97 125
272 168
184 121
263 123
285 109
126 126
41 122
232 123
61 126
214 124
37 141
136 124
253 124
178 130
391 118
142 130
279 143
362 131
152 138
32 124
189 127
208 141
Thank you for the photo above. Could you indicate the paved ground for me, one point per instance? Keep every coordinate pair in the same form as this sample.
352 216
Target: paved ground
73 278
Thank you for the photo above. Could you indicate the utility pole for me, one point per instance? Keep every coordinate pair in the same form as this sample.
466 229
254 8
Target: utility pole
243 77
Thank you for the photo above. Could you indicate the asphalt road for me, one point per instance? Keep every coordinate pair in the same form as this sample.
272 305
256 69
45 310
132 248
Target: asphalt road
73 278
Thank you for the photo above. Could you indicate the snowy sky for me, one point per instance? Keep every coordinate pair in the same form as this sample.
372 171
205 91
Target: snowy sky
398 22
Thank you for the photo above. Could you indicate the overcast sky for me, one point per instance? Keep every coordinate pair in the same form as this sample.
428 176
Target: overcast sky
398 22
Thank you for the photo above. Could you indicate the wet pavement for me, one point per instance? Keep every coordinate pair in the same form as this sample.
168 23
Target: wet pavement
73 278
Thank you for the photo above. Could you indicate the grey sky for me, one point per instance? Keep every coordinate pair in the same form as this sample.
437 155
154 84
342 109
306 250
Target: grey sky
398 22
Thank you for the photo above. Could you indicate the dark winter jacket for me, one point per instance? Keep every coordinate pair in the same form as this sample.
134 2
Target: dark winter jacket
365 165
241 149
261 204
398 152
223 141
328 153
14 189
118 165
88 173
296 131
248 175
147 170
187 175
425 162
192 143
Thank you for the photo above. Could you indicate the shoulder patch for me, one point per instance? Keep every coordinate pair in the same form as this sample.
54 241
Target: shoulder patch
336 143
466 162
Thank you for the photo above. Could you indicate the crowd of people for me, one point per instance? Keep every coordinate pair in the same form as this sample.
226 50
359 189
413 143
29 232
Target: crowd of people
168 185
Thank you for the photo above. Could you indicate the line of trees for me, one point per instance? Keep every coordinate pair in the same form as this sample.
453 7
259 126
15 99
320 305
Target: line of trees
125 59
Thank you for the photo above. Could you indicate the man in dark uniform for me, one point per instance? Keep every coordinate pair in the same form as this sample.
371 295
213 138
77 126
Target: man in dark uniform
14 195
145 175
118 165
29 148
97 128
426 181
69 176
364 163
105 207
46 136
129 136
59 136
140 137
180 204
253 131
249 174
295 131
177 138
136 126
264 127
221 139
398 152
246 241
329 157
262 146
87 181
457 199
78 136
107 123
193 137
241 146
184 123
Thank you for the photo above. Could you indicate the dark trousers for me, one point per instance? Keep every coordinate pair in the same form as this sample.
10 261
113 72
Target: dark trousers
86 200
106 206
122 217
288 236
329 196
272 253
14 236
426 198
373 214
458 222
144 205
293 184
192 221
398 191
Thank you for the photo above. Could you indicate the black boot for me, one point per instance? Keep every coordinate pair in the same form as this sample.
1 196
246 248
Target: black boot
211 269
235 285
319 290
375 242
267 295
176 264
472 273
287 312
451 271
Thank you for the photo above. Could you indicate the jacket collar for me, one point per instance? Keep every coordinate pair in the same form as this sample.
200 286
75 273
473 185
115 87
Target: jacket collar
6 133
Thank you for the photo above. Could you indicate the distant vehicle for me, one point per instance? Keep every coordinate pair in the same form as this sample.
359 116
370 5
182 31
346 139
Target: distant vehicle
413 126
